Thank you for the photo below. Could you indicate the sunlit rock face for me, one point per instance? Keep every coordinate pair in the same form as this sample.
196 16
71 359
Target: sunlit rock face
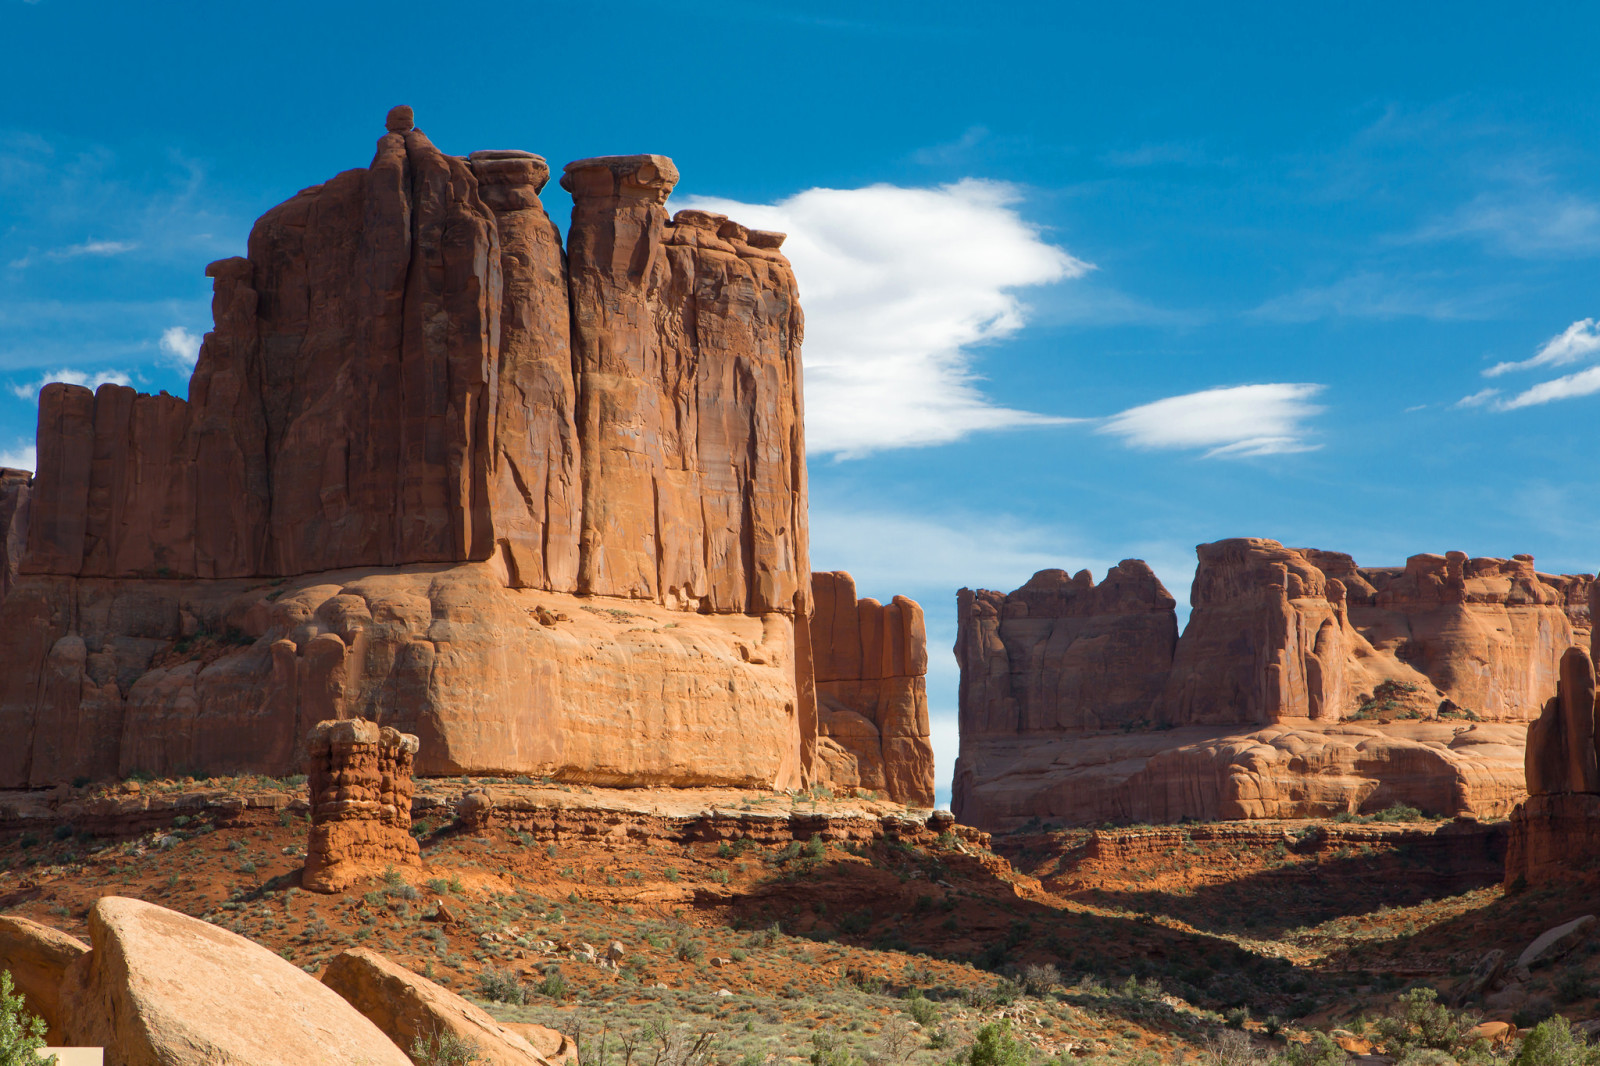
1302 685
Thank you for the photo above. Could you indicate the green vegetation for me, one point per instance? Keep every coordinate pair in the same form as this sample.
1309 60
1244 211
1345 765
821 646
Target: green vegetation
21 1033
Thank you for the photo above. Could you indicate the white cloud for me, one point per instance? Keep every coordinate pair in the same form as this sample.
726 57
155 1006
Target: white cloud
1234 422
30 390
95 248
1573 344
899 285
22 457
180 347
1480 398
1379 296
1583 383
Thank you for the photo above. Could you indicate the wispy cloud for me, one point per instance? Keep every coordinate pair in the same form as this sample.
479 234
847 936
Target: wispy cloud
901 285
180 347
92 379
1234 422
1530 221
1377 295
94 248
1583 383
1577 342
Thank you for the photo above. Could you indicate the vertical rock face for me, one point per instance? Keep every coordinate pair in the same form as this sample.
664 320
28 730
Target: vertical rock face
1064 654
1283 646
360 782
420 435
871 662
1555 832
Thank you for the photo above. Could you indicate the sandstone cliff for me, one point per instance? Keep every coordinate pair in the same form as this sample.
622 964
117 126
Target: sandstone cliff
872 698
1555 832
1283 698
545 510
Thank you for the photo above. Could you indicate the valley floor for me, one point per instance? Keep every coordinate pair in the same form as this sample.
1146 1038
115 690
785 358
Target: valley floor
1129 944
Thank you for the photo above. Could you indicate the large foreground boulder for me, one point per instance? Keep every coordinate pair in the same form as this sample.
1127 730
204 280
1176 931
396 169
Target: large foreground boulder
163 989
410 1008
38 958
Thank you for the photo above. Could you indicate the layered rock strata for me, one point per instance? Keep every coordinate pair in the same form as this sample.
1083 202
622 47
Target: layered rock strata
360 781
1555 832
871 662
1303 685
543 508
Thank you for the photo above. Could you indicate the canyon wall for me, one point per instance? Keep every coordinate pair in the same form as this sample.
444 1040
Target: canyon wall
1302 685
543 509
871 663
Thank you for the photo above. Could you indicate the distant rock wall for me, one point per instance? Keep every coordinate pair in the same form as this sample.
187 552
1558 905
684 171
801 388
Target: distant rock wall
429 460
1286 650
871 662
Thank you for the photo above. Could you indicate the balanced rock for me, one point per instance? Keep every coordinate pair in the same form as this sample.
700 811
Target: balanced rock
360 782
1303 686
871 661
411 1009
162 989
38 958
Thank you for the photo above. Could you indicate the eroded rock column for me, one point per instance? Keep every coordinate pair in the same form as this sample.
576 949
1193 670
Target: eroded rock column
1555 832
360 780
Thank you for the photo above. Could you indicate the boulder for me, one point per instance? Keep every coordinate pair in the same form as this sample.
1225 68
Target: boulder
557 1048
1554 943
1485 973
39 958
410 1008
163 989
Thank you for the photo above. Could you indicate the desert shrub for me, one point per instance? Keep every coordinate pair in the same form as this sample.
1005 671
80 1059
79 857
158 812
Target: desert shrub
1573 986
501 986
445 1049
921 1009
554 984
1553 1042
995 1046
829 1050
1230 1047
691 951
21 1033
1421 1021
1038 980
1320 1050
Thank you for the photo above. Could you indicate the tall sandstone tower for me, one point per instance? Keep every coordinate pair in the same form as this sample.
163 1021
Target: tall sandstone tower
544 509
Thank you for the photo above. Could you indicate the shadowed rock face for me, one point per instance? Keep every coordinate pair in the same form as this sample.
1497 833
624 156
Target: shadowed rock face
1555 832
409 378
1284 647
871 663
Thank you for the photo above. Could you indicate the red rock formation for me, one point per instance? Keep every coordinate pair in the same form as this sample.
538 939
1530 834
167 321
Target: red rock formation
1281 647
360 782
1555 832
871 661
417 431
1063 654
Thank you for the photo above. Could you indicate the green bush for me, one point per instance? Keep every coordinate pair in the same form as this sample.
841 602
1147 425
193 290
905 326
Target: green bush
921 1009
501 986
445 1049
1319 1051
1553 1042
1421 1021
21 1033
995 1046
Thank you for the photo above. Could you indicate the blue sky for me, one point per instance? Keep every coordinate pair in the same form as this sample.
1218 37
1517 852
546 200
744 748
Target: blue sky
1304 235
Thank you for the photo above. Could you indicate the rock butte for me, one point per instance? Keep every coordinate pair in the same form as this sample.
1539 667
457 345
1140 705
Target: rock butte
542 508
1282 699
